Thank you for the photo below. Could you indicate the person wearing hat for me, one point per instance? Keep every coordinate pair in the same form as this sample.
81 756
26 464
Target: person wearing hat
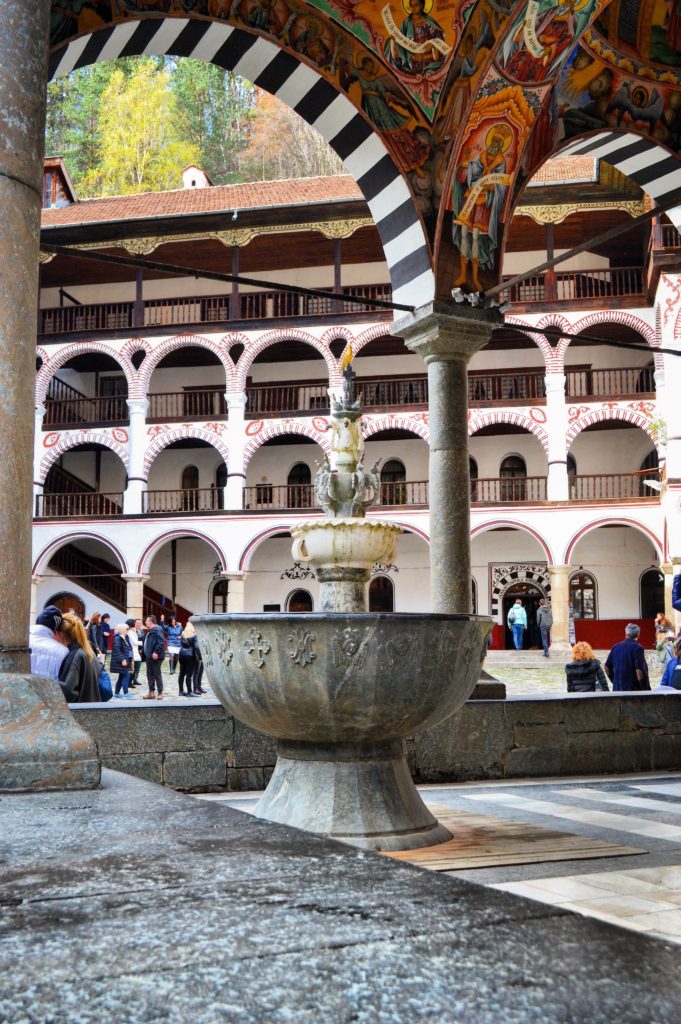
626 664
47 653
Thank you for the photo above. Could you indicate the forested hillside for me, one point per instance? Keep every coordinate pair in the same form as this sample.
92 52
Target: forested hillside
133 125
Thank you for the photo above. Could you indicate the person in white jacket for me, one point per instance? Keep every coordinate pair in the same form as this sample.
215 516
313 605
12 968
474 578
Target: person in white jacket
47 653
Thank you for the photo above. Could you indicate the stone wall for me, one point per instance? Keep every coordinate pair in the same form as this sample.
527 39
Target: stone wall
204 748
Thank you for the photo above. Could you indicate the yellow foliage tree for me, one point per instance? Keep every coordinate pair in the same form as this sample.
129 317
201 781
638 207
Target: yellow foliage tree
141 149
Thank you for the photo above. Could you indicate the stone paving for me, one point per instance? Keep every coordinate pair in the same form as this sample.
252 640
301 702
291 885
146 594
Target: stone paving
538 676
170 687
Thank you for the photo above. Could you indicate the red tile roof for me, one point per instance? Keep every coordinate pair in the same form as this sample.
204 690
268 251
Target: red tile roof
566 168
188 201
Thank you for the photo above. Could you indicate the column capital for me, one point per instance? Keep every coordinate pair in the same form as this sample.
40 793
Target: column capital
133 578
236 400
555 383
40 410
559 569
444 332
138 406
37 579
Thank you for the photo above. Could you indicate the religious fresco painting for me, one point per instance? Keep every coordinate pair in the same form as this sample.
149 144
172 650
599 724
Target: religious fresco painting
541 37
593 96
646 30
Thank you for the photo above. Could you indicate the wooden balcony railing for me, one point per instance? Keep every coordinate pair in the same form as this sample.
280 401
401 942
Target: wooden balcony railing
578 285
665 236
208 309
393 392
633 380
89 504
193 499
404 492
494 490
203 403
70 412
505 387
265 399
273 497
614 486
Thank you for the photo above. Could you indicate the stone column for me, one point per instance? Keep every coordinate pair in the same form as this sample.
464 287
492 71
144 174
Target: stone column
557 487
41 747
236 594
23 78
236 442
137 479
134 595
446 336
560 597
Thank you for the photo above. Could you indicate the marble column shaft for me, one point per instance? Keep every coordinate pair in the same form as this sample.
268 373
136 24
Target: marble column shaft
446 337
23 81
560 597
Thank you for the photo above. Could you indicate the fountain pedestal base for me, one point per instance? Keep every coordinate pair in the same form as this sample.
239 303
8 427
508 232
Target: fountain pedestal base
361 794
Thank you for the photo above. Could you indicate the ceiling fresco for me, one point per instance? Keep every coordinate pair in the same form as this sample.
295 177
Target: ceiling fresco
469 96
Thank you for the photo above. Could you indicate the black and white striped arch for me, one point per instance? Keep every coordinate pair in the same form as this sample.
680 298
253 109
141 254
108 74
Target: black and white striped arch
654 169
306 92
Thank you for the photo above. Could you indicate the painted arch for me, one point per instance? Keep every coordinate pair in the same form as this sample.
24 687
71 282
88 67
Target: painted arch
298 80
262 431
73 439
54 362
532 421
163 440
43 559
580 417
610 521
152 549
156 353
255 348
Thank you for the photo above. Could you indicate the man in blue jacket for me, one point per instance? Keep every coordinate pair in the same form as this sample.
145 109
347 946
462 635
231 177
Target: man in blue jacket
626 663
154 653
676 593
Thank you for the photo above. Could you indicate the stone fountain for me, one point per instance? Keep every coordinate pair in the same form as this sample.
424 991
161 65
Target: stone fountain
342 689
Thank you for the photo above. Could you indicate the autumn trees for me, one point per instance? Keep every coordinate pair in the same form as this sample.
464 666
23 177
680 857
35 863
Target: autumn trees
133 125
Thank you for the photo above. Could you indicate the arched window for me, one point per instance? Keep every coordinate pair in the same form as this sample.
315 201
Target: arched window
473 475
299 601
652 593
66 602
381 594
393 486
299 484
513 473
219 597
650 470
583 595
190 486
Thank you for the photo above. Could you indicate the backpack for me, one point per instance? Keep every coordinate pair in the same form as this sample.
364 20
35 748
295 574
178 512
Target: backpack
511 617
186 650
105 687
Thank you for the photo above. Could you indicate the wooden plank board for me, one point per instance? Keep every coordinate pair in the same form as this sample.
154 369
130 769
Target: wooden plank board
480 841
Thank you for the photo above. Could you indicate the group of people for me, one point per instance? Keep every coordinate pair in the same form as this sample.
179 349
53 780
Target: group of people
625 668
65 650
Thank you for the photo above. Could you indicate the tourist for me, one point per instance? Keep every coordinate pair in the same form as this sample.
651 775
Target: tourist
94 632
517 623
671 677
79 672
572 633
105 631
584 673
135 636
198 674
663 623
676 593
154 653
173 632
121 660
626 664
188 660
544 622
664 646
47 652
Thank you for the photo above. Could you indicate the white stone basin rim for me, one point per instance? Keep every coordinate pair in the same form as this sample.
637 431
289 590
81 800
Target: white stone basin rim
342 678
345 542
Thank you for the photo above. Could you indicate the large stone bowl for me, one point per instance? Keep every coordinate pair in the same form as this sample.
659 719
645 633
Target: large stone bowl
341 692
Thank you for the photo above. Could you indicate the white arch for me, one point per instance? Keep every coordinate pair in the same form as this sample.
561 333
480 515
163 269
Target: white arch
152 549
255 348
281 429
56 360
488 417
42 561
68 442
164 440
156 353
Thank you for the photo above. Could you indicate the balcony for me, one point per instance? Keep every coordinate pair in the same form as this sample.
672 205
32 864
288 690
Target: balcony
628 382
208 309
505 388
614 486
498 490
195 499
88 505
67 413
194 404
602 286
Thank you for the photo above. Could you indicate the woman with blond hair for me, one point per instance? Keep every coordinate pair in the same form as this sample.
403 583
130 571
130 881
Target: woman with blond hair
188 660
121 659
79 672
584 673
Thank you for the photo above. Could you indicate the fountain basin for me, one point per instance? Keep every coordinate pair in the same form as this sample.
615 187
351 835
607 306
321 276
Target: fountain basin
341 692
345 542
